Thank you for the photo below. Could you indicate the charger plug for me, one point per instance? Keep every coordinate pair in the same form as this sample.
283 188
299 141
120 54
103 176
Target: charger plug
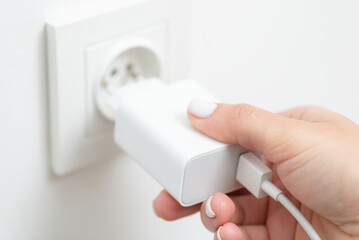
151 125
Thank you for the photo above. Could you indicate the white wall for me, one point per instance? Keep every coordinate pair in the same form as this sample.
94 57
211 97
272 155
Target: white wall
274 54
280 53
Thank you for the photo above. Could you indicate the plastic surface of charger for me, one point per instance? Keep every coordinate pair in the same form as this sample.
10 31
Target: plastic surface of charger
152 127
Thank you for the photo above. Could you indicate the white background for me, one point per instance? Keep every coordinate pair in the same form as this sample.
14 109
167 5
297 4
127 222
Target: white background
274 54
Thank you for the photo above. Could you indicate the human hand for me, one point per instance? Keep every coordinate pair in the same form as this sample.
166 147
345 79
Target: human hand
315 160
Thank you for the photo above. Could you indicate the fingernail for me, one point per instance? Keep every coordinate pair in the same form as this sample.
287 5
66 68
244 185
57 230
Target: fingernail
218 233
209 211
201 108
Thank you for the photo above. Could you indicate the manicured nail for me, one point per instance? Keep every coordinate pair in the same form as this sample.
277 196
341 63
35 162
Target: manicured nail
218 233
201 108
209 211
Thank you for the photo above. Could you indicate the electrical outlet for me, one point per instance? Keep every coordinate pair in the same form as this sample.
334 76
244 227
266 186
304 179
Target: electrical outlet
150 37
80 135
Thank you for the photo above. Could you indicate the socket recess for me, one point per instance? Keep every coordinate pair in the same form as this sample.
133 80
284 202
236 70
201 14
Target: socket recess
81 46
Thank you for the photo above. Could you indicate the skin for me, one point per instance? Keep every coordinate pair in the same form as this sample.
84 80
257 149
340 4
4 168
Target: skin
315 160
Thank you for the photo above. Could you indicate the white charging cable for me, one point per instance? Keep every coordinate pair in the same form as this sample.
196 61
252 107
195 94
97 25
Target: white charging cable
256 177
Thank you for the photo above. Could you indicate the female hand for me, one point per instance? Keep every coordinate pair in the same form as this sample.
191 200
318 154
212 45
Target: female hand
314 154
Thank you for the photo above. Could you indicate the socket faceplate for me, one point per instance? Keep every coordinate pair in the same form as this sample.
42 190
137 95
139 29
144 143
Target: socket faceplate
74 141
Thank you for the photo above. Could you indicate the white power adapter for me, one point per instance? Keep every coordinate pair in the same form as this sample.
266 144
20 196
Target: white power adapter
152 127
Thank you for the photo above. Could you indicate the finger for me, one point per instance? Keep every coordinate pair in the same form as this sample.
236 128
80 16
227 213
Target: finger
216 211
230 231
310 114
243 209
249 210
251 127
166 207
281 223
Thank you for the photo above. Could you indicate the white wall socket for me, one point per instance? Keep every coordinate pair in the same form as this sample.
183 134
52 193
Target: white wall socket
99 58
77 50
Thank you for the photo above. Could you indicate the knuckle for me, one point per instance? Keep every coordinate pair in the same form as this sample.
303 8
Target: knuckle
243 111
241 117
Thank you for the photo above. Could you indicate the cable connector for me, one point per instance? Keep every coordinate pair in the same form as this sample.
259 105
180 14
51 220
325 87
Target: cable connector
256 177
252 173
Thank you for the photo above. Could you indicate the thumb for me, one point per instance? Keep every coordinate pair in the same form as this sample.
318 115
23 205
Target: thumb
253 128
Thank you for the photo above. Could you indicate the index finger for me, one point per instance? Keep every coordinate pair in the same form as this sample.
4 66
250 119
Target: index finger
166 207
